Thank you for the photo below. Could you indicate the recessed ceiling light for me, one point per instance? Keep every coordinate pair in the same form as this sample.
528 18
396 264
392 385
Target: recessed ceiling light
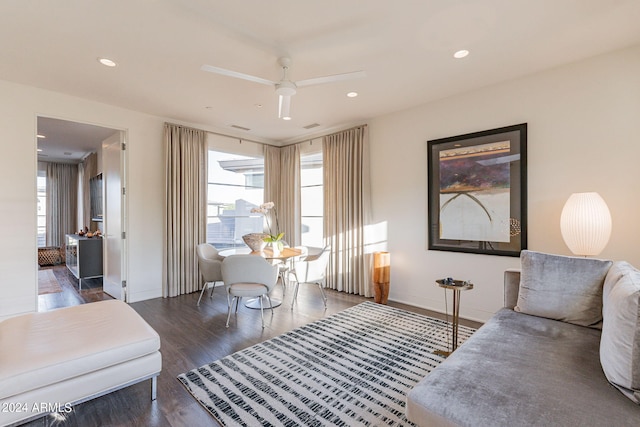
39 150
352 94
286 118
41 136
461 54
258 105
107 62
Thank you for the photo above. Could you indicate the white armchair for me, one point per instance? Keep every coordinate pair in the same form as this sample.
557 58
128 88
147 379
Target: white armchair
210 264
312 269
248 276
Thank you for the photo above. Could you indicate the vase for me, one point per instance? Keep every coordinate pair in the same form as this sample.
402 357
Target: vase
276 247
255 241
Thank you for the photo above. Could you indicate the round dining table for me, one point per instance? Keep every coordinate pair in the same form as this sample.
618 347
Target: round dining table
285 254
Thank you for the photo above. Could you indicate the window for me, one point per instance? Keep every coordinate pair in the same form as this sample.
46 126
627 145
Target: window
312 203
235 186
42 209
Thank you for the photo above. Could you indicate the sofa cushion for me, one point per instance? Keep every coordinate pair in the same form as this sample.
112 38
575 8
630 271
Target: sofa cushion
620 341
39 349
521 371
562 288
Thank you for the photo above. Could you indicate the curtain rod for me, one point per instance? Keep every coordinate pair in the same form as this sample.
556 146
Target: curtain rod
326 134
265 143
222 134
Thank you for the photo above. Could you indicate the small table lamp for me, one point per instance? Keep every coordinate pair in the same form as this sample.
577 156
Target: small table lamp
585 223
381 276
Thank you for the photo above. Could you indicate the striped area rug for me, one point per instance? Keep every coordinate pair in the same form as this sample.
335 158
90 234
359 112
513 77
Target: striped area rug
352 368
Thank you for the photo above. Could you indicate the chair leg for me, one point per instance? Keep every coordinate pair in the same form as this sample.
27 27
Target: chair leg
295 294
202 292
229 310
284 284
238 299
213 288
270 305
324 297
261 311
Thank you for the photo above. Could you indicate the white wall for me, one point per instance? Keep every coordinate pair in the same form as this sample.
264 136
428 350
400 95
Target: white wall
19 107
582 136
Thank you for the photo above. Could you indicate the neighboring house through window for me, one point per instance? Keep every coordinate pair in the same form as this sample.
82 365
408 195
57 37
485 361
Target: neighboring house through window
235 186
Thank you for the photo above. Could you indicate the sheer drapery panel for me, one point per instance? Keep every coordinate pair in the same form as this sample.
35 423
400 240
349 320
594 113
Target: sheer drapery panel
62 202
346 210
186 204
282 186
272 184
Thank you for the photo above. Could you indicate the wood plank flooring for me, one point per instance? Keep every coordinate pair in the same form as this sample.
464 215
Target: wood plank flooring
70 295
192 336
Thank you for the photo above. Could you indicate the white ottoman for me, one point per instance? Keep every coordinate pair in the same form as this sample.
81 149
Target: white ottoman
50 361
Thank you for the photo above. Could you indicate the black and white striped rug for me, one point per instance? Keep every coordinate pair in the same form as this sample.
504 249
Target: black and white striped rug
352 368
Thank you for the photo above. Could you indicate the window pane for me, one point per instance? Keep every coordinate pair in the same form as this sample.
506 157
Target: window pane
312 200
42 211
312 232
235 187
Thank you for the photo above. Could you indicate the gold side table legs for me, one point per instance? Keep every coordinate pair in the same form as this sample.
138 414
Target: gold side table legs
456 286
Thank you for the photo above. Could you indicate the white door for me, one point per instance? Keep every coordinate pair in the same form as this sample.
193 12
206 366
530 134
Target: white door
113 176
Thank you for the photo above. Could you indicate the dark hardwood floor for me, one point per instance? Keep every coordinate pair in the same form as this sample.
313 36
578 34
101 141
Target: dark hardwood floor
70 295
191 336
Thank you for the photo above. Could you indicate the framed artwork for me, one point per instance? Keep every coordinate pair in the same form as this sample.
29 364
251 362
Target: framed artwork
478 192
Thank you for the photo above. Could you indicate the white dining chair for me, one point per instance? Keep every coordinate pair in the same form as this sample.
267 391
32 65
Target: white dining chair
312 269
248 276
210 264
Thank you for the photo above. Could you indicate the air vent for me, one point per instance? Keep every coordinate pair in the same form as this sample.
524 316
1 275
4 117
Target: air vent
67 153
240 127
312 125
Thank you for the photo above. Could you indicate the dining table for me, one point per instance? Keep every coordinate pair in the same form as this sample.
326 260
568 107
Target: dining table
286 254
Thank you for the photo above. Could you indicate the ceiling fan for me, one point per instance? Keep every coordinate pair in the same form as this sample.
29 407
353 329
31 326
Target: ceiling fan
285 88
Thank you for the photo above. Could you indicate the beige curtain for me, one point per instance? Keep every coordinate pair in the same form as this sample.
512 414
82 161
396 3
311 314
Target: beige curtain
282 187
290 193
346 210
272 186
87 169
186 201
62 202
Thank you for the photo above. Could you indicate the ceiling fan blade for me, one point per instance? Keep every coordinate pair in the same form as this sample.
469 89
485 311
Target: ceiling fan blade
229 73
331 79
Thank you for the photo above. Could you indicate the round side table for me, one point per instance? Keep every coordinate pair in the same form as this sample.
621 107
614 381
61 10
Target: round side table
456 286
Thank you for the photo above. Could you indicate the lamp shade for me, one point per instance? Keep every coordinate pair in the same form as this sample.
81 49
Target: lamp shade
585 223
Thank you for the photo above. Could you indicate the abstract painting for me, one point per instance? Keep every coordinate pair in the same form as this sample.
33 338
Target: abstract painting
477 192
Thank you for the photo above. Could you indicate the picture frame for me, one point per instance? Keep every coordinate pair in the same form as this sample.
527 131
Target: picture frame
477 192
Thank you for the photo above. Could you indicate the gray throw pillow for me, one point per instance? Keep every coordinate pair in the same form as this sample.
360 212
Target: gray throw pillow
620 340
562 288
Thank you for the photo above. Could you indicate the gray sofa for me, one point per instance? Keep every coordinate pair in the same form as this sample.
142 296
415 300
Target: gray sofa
527 370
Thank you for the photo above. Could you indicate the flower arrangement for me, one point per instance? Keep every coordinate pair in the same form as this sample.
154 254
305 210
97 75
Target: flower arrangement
274 239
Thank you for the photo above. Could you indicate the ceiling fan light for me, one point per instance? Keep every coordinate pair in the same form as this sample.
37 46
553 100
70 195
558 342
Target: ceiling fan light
284 106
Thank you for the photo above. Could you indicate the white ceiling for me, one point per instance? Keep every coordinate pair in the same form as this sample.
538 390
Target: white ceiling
404 46
63 141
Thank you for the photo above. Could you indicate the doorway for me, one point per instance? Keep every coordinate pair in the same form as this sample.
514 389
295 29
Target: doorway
97 224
